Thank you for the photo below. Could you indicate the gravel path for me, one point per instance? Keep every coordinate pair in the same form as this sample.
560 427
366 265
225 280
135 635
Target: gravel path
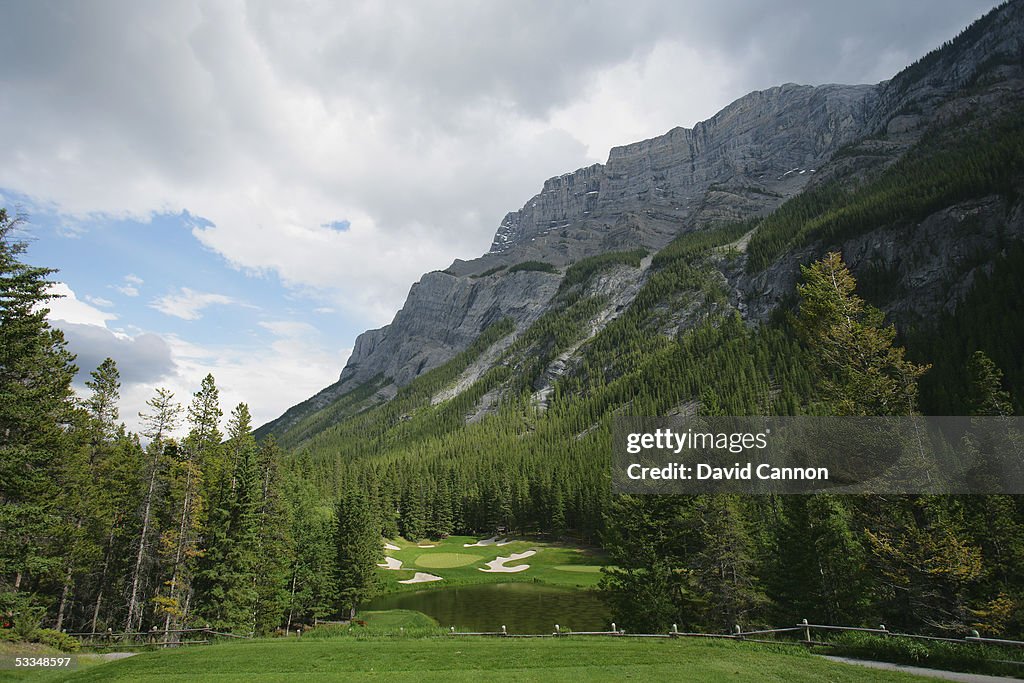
921 671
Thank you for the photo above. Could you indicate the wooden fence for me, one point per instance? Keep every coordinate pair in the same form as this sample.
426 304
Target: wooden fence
803 631
154 637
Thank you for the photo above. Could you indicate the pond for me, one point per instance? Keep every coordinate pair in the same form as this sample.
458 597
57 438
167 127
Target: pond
521 607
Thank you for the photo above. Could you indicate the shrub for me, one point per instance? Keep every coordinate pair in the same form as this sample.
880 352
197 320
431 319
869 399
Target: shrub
971 657
540 266
56 639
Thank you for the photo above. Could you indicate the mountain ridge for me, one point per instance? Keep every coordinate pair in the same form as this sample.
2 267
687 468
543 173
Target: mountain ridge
765 148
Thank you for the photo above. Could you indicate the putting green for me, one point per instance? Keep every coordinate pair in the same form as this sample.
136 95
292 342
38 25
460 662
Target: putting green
446 560
579 568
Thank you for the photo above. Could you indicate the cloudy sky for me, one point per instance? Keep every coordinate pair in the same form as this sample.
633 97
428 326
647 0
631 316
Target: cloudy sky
243 187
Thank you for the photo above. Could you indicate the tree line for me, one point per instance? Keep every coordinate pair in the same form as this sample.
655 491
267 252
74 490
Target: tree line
108 529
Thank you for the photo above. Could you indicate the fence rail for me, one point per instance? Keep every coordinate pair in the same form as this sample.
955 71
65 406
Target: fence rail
804 628
173 637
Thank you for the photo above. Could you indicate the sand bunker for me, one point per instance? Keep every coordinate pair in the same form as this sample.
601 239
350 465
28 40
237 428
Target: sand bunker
498 564
422 577
426 546
391 563
486 541
390 546
505 541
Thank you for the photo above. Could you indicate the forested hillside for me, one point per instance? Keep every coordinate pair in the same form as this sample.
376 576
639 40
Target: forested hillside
516 429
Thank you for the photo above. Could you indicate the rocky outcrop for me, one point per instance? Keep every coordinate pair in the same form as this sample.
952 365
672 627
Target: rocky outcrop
748 158
927 267
770 140
443 315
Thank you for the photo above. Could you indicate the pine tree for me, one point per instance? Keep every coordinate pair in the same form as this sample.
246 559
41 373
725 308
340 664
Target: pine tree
227 576
986 395
862 371
312 591
83 487
196 464
357 542
159 424
275 544
35 408
105 387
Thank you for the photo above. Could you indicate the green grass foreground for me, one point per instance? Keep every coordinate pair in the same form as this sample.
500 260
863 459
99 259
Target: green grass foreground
556 564
476 659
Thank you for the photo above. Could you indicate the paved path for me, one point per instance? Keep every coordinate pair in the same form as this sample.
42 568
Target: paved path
921 671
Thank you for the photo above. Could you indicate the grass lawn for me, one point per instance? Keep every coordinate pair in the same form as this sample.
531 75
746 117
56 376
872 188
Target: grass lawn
556 564
476 659
8 651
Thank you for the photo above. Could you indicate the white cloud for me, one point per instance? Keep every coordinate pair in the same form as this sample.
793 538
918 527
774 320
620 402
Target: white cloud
69 308
301 362
188 304
99 301
140 358
143 358
420 126
417 124
131 285
288 328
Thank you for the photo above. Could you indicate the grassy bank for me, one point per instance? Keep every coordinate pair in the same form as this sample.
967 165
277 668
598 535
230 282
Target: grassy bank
967 657
506 659
556 564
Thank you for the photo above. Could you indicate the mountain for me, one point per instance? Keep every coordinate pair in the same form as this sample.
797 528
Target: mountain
879 172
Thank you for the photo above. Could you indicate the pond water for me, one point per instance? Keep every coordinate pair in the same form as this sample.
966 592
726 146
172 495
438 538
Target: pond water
521 607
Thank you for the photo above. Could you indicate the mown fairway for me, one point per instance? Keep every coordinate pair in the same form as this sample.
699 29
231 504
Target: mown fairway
554 563
464 659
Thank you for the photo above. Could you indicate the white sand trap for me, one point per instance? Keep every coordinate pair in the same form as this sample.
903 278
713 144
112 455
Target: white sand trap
390 546
426 546
422 577
486 541
505 541
391 563
498 564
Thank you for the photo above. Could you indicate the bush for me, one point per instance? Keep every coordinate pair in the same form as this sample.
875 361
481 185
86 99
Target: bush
56 639
27 620
377 625
583 270
540 266
970 657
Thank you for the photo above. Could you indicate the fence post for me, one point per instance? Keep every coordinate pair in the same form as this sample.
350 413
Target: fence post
807 631
736 631
453 629
558 630
884 630
613 627
504 631
675 629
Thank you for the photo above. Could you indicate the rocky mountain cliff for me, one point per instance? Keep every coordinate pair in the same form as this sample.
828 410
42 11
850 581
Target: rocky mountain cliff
746 161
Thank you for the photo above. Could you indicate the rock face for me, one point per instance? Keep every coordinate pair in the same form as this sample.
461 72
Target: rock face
758 141
442 316
743 162
757 151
